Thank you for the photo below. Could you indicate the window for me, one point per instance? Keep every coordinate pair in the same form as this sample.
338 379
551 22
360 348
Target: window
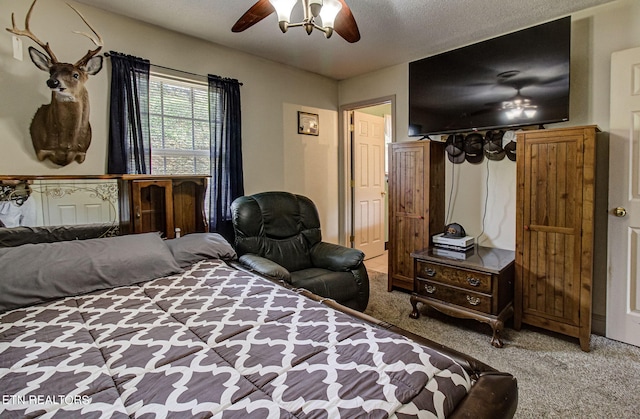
179 125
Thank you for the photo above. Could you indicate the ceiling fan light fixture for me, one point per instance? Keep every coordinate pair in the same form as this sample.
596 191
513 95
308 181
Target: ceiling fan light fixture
283 9
314 7
329 12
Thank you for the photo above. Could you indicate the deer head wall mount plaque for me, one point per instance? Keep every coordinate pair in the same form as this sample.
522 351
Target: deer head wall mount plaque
60 131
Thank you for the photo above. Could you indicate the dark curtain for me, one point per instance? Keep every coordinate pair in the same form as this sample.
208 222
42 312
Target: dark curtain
226 153
129 135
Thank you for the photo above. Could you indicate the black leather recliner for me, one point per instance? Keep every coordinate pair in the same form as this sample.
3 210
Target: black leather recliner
277 234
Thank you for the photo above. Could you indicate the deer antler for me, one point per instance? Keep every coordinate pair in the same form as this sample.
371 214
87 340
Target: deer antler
97 40
27 32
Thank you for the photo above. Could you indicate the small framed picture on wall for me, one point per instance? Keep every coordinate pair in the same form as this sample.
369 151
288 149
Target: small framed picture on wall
308 123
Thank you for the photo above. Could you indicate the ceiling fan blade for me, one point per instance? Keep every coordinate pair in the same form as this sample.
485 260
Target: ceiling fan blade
255 14
345 24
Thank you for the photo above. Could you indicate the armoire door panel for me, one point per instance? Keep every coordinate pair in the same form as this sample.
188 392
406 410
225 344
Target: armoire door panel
552 182
408 182
551 279
552 224
411 231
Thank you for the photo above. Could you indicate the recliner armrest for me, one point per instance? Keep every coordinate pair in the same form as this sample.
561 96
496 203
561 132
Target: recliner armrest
265 267
335 257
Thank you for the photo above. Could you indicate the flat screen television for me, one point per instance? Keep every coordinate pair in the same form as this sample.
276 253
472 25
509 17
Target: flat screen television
517 79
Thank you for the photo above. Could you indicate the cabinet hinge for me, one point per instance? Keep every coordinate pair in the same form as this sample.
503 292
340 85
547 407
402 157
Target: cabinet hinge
352 238
351 128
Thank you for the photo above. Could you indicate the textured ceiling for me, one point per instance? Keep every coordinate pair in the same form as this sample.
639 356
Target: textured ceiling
393 31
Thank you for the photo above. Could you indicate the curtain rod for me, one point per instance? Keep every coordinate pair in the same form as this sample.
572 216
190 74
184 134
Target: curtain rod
106 54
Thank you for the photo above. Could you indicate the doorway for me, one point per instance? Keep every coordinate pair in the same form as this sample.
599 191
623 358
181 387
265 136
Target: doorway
367 129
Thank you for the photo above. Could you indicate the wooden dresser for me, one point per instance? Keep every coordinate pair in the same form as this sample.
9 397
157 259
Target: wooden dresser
478 287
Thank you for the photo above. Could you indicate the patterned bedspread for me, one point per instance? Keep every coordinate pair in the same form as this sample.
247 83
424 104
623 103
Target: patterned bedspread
214 342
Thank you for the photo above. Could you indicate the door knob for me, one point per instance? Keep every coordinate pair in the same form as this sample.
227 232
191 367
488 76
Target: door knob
620 212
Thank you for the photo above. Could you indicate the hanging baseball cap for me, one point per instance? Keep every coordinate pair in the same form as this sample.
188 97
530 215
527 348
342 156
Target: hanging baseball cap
455 148
473 148
493 145
510 139
454 230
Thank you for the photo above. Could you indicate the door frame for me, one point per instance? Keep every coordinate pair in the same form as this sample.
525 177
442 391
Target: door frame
345 162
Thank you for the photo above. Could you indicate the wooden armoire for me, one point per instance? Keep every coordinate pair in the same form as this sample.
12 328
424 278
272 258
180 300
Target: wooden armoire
556 180
416 204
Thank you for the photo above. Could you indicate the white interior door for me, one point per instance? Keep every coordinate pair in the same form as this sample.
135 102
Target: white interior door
369 190
623 290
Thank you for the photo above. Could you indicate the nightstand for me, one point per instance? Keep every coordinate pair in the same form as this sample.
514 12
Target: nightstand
479 286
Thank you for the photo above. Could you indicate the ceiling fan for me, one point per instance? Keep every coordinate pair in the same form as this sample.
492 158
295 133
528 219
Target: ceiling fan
344 24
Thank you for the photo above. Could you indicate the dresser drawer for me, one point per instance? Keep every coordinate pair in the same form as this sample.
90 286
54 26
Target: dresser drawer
476 281
453 295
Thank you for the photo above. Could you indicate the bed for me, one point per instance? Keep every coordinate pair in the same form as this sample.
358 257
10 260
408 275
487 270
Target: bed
137 326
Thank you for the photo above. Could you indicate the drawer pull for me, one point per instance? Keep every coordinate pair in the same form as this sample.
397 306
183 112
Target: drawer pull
430 272
430 289
474 282
474 301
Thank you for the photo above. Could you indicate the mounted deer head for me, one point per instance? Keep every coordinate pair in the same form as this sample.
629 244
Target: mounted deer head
60 130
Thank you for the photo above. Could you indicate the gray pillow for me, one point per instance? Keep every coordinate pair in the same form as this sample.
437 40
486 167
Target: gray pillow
195 247
33 273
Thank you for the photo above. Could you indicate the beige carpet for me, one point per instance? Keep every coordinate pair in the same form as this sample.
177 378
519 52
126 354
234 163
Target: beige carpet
555 378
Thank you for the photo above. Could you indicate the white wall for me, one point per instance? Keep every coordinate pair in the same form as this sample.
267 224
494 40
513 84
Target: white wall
596 33
311 163
271 96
